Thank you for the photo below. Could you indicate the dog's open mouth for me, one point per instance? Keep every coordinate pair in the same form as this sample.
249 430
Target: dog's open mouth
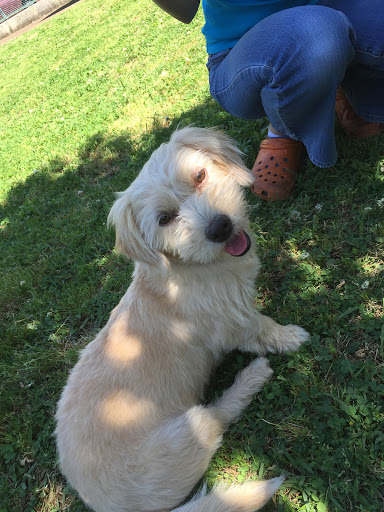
239 244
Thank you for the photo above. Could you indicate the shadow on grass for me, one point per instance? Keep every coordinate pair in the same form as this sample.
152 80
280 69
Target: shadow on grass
60 280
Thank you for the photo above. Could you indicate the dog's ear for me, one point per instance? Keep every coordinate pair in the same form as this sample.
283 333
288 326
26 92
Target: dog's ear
230 160
219 147
232 167
129 240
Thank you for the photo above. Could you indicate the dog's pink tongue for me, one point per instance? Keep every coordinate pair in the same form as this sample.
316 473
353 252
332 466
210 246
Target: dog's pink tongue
238 245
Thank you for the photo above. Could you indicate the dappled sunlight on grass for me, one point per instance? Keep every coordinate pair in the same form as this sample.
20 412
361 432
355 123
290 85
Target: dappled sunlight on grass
307 420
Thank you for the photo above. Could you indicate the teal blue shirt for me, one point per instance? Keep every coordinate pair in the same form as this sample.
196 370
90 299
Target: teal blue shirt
226 21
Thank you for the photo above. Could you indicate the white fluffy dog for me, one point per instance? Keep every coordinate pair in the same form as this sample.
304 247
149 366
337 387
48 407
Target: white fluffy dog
131 433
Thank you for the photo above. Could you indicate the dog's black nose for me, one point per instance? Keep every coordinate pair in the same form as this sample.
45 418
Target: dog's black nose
220 229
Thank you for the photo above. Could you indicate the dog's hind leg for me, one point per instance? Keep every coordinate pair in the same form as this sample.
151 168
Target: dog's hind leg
181 450
248 497
248 382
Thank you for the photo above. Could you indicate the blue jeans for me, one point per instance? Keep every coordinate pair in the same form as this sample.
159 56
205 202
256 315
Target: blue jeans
289 66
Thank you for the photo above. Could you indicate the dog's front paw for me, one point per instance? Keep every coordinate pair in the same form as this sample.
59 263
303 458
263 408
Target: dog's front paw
292 337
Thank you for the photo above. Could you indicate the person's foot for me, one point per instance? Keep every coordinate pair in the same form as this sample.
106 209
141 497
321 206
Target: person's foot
353 125
275 168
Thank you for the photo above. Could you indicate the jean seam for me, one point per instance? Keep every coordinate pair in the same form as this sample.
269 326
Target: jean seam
379 55
322 165
216 59
303 140
245 70
370 118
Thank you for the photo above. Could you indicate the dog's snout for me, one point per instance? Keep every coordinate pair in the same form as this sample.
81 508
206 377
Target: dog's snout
220 229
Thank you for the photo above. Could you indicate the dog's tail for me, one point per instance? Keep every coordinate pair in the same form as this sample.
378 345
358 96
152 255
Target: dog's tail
248 497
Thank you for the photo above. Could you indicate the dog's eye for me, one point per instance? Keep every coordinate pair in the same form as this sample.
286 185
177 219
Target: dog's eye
165 218
200 176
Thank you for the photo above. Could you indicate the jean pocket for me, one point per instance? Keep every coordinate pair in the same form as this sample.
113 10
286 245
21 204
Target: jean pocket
215 58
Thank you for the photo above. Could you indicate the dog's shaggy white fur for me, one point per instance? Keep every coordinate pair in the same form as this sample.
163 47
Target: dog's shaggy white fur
131 434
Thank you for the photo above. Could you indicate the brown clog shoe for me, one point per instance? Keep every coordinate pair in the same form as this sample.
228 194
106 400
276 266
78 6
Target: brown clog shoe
275 168
353 125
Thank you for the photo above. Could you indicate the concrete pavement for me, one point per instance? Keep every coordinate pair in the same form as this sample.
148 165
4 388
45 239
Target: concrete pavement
30 16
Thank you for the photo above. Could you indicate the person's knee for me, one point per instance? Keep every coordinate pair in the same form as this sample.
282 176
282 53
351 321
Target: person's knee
329 36
317 42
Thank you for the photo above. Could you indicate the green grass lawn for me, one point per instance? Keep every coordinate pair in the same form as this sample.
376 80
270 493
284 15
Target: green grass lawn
85 98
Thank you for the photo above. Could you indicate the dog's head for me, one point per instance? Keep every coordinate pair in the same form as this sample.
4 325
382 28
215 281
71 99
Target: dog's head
187 202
